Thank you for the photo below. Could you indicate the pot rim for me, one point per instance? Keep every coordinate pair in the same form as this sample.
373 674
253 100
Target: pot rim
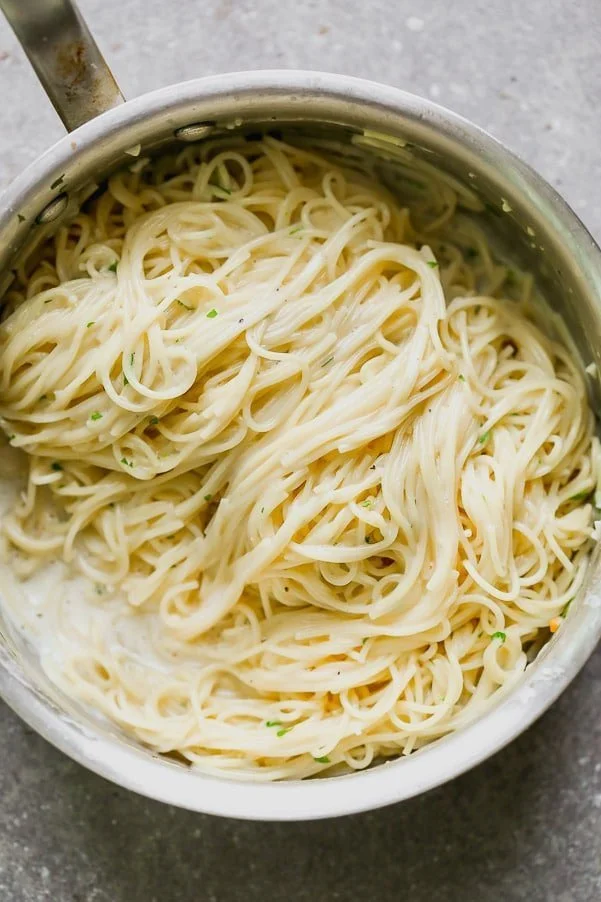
516 709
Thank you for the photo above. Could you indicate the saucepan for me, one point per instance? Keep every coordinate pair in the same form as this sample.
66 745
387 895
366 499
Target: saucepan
521 211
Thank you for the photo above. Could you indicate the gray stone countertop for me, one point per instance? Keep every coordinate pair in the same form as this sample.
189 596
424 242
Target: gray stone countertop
526 825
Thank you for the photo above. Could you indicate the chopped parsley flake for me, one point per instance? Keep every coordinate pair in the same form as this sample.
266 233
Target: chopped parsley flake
295 230
132 357
283 732
96 415
367 503
461 377
484 437
368 539
208 497
113 266
127 463
125 380
273 723
56 466
11 437
432 264
580 496
323 760
90 324
20 217
153 421
212 314
499 635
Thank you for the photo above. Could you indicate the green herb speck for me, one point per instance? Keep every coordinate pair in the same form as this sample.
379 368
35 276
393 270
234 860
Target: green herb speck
367 503
283 732
208 497
127 463
326 362
323 760
96 415
432 264
484 437
132 357
56 466
461 377
499 635
113 266
295 230
212 314
20 217
153 421
273 723
580 496
90 324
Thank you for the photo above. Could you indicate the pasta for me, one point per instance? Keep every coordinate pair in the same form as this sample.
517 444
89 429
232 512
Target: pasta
315 481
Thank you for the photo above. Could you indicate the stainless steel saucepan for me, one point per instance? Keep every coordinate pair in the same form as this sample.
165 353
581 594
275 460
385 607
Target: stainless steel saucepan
523 212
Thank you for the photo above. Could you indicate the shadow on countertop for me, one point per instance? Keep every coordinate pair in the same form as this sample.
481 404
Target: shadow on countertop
526 825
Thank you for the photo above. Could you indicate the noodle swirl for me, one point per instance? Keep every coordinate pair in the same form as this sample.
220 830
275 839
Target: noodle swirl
324 481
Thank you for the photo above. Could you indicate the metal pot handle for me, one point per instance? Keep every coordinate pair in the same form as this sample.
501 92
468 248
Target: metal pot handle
65 57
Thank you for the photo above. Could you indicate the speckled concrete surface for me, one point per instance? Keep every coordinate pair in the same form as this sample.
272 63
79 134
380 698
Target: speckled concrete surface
527 824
